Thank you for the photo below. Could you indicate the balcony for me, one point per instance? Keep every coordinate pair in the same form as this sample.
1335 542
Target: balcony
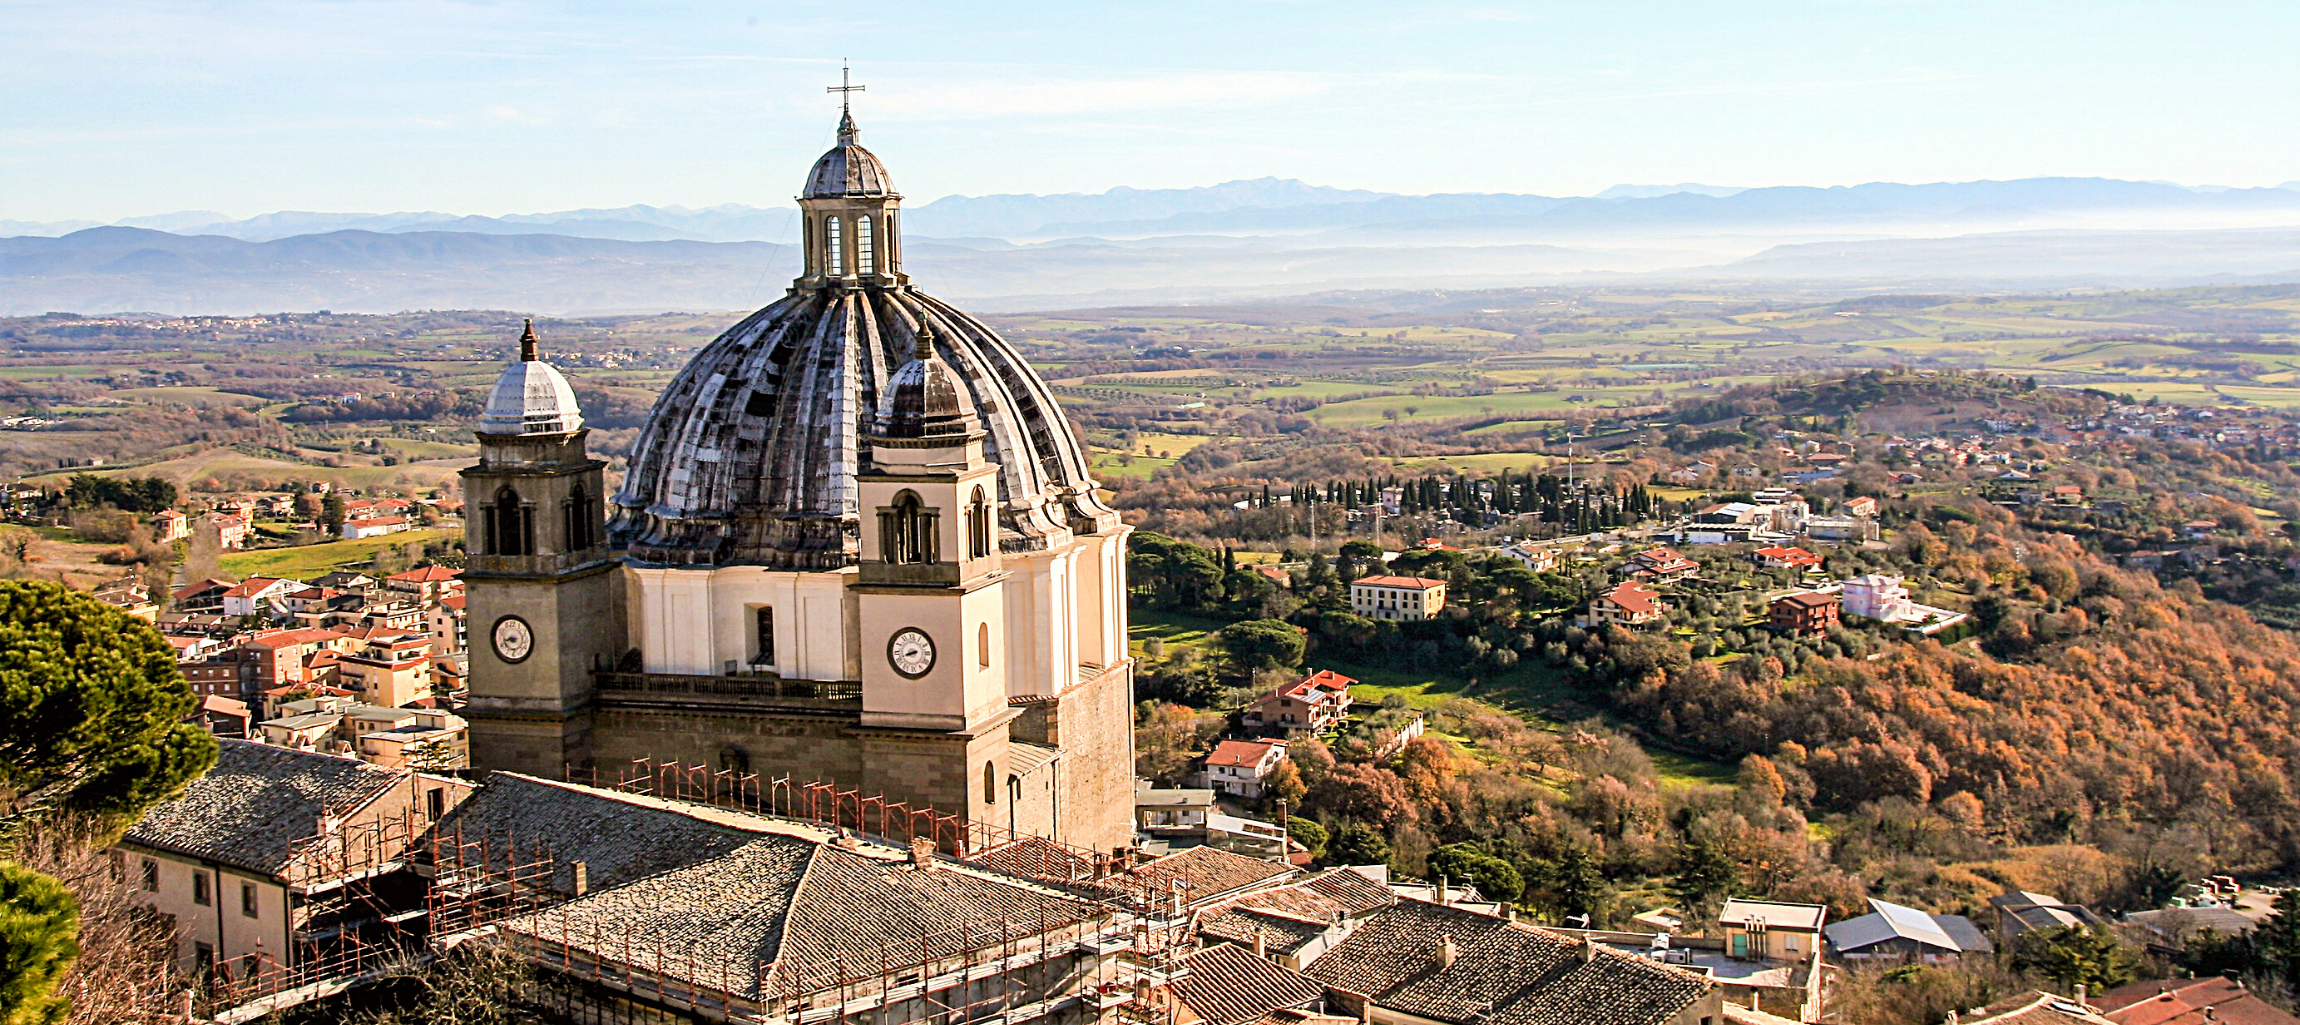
747 691
546 564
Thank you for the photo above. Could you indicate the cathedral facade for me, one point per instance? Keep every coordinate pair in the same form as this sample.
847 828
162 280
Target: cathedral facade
857 543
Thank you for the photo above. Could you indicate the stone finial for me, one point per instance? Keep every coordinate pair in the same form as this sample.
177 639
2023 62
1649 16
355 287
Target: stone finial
529 349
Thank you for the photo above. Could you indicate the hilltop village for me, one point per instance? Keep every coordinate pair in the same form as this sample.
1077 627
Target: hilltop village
852 667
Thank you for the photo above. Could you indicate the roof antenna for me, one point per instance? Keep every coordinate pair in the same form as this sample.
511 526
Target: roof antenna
528 352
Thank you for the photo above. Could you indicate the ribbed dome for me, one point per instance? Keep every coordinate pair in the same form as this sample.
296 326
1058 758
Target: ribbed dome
531 397
925 398
750 455
848 170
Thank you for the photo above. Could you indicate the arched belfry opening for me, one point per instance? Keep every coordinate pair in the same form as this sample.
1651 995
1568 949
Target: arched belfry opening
978 525
510 524
907 533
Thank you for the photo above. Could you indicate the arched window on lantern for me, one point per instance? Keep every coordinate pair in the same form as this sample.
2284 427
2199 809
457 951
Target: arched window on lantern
864 256
982 645
834 249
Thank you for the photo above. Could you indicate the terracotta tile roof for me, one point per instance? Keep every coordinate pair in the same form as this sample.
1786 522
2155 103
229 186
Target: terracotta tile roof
1211 874
1352 890
1634 598
252 808
1321 680
1807 599
1240 753
1790 555
427 575
276 639
2185 1001
2036 1008
253 586
1032 857
1289 916
1416 583
1228 985
1502 973
1297 1016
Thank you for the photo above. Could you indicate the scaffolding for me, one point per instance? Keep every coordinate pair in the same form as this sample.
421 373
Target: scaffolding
501 889
344 928
1005 970
826 805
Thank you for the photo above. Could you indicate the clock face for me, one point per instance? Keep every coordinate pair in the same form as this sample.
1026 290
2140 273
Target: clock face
514 639
911 652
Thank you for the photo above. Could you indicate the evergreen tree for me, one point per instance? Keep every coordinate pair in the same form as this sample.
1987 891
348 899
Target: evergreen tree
39 940
2074 955
92 709
2276 941
1706 871
1353 844
1578 886
92 713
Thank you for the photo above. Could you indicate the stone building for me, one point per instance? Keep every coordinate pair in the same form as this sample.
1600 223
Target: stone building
278 862
858 542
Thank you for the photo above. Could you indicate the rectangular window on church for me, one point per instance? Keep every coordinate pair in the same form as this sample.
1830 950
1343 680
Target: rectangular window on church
766 643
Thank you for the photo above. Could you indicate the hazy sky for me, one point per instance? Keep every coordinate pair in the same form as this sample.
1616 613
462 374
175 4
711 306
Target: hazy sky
122 108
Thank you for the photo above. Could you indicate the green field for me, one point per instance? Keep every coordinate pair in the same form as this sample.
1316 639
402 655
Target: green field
223 463
309 561
1539 694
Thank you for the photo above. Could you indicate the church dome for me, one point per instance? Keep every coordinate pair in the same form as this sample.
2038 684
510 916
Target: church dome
848 171
751 454
531 397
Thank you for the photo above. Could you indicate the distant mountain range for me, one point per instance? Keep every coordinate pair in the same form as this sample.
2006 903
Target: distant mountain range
1284 206
1240 239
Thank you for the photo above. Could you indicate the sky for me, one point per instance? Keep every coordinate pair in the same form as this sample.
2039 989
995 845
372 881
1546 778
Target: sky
115 108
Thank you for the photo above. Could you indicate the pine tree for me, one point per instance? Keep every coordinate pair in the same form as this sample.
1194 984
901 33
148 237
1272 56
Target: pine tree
92 713
39 940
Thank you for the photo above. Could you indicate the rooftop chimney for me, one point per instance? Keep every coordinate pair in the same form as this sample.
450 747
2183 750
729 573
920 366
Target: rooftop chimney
582 871
2082 991
1441 894
1446 951
922 854
1261 943
1588 951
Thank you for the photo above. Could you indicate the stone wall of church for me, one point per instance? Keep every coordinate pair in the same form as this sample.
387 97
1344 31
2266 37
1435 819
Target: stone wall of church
1094 722
945 772
806 748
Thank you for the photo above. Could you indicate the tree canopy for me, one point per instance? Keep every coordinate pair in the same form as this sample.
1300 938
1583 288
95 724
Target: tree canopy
92 708
39 938
1258 644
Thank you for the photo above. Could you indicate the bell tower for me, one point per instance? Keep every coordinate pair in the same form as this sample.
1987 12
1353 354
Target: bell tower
930 596
542 600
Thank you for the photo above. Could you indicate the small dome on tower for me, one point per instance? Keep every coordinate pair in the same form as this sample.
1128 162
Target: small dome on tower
925 398
848 171
531 397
